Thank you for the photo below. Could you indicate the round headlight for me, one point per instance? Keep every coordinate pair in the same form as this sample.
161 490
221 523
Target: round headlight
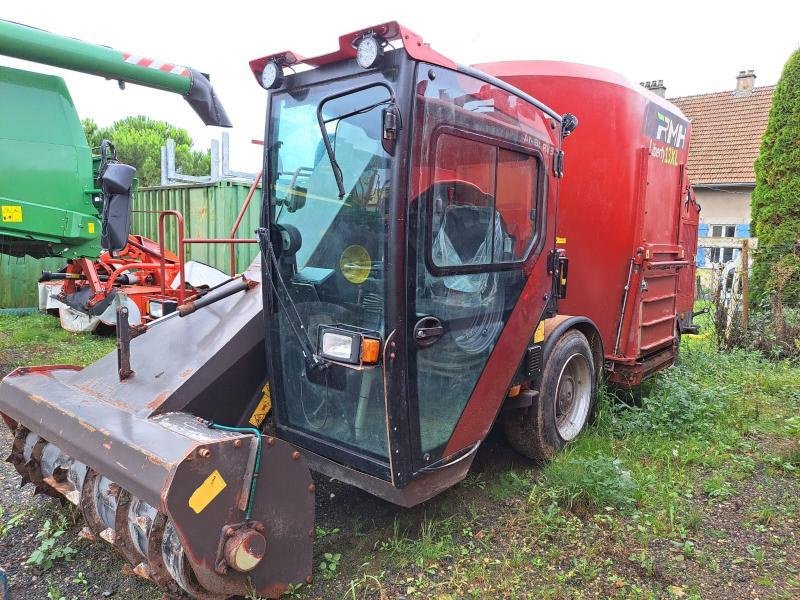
369 51
271 76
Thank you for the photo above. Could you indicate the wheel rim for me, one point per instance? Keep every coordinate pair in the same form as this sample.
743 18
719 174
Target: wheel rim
573 396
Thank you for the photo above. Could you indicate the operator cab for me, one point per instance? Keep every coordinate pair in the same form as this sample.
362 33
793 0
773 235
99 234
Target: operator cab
408 212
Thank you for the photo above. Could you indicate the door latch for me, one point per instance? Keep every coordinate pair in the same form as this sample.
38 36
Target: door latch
427 331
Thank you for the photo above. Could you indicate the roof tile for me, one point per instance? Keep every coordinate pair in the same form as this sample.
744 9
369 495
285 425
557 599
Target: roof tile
726 134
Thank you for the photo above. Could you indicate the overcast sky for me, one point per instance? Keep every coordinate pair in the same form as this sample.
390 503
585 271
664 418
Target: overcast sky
695 47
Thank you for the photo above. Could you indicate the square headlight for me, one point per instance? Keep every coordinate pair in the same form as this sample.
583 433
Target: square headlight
340 345
346 346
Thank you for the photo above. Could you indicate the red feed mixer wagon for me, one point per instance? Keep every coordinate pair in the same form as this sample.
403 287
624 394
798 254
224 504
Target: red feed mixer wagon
627 216
442 247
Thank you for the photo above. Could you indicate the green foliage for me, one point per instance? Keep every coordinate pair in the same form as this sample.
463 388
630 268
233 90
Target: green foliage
50 549
138 140
678 405
590 482
776 199
435 541
330 564
11 523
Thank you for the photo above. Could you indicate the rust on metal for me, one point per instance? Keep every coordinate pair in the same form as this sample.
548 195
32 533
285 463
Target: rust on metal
123 540
123 343
245 549
158 400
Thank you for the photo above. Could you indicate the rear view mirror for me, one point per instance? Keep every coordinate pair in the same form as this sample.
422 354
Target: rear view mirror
116 183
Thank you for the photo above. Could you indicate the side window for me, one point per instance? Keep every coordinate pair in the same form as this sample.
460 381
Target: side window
483 203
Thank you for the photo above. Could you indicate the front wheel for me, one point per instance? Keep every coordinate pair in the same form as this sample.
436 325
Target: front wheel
565 402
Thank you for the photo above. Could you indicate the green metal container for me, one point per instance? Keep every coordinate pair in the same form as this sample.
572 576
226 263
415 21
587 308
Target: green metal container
208 210
18 279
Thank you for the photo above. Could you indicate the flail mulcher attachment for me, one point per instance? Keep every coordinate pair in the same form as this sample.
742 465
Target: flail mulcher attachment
164 465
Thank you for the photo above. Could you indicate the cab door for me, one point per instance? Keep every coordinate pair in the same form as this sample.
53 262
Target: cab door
475 227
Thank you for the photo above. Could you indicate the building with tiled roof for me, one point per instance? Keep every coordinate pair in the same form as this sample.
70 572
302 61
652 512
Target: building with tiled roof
727 128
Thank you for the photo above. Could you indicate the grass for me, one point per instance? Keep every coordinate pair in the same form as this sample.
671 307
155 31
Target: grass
667 497
692 489
38 339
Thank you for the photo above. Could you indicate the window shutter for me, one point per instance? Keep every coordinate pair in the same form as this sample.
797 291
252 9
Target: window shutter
700 261
743 231
702 230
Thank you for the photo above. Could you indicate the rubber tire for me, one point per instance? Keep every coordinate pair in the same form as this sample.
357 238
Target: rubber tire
532 431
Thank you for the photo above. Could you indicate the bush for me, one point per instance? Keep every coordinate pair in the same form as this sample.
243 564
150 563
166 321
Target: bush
676 405
775 205
590 482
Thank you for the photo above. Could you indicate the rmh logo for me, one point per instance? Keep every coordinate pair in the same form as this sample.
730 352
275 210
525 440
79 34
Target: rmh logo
670 132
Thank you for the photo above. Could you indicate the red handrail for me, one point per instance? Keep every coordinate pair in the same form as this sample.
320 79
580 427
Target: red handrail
239 218
181 258
183 241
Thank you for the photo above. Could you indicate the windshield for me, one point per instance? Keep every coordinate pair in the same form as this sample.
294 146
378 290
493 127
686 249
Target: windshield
334 271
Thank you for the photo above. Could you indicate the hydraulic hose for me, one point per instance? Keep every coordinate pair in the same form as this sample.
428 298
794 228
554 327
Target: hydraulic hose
256 468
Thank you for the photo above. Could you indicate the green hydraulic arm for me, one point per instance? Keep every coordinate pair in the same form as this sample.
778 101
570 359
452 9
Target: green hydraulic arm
36 45
49 201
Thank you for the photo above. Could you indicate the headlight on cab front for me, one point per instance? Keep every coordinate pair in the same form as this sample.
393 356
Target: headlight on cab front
348 346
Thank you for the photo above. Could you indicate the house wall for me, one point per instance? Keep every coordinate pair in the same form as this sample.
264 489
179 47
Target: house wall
729 207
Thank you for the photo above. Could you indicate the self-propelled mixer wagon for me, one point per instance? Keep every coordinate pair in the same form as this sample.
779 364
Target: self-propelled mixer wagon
406 297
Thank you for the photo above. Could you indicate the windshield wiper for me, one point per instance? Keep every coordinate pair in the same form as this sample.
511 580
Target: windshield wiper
337 171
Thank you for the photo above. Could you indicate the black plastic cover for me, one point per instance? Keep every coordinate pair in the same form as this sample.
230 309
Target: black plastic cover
204 101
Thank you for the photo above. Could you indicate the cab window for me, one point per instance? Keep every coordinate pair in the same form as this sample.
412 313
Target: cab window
483 204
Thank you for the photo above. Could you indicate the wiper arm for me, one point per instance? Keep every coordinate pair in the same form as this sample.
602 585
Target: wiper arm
312 359
337 171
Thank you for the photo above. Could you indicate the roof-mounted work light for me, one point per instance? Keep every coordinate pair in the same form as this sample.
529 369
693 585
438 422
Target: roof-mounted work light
272 75
369 49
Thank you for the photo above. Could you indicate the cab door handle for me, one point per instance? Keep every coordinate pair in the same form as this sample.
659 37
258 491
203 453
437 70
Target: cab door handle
427 331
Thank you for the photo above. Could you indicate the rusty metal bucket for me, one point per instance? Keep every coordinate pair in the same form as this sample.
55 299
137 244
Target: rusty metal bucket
201 511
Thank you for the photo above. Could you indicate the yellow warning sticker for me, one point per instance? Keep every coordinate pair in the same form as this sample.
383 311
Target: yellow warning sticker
90 226
206 492
561 240
538 335
263 408
11 214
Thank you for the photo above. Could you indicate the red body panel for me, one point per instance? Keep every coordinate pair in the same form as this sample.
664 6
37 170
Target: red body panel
623 215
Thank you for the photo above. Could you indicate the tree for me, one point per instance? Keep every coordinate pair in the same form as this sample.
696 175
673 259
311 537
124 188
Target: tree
776 199
138 141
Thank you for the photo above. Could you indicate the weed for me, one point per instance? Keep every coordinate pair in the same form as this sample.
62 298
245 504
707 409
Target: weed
322 533
474 480
756 553
53 592
693 518
11 523
716 488
435 542
686 547
49 549
766 515
366 586
508 484
592 482
330 564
